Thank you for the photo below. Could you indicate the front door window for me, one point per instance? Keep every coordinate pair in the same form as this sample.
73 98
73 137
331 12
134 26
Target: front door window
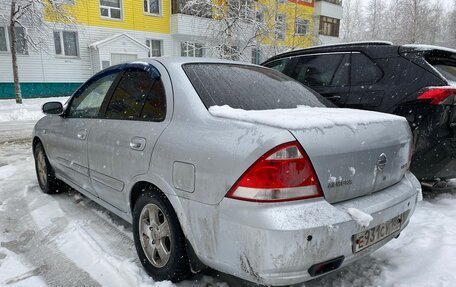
87 103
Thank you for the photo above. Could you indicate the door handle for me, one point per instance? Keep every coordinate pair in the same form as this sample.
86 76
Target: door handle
82 134
137 143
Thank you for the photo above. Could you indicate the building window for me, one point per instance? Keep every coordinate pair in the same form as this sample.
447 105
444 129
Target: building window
260 14
190 49
281 26
152 7
256 56
111 9
21 40
155 47
329 26
3 41
281 1
66 43
302 26
242 9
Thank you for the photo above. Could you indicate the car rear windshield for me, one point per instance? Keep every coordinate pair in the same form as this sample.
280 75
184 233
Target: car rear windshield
446 66
249 87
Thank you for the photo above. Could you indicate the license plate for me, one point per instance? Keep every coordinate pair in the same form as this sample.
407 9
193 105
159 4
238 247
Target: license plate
369 237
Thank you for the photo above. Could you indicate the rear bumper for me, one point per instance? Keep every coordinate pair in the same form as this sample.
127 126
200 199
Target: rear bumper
276 244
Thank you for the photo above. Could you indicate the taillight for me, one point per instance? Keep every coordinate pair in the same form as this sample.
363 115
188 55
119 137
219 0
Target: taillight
285 173
438 95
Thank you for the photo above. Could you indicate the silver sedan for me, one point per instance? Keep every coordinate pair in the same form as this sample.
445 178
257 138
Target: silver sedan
230 166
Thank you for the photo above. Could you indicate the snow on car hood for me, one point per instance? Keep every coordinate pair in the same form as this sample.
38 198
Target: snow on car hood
304 117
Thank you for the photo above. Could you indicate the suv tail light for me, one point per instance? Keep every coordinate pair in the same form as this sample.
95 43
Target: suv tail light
438 95
284 173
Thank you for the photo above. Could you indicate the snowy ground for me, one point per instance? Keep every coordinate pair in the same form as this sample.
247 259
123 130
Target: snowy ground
68 240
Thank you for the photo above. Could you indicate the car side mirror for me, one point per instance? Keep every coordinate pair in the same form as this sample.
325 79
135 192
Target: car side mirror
53 108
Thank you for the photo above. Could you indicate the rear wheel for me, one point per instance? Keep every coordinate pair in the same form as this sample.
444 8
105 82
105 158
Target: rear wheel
159 240
46 178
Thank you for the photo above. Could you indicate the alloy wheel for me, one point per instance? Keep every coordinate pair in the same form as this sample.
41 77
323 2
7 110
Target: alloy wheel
155 235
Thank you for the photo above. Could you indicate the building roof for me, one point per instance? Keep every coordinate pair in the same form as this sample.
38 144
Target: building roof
117 37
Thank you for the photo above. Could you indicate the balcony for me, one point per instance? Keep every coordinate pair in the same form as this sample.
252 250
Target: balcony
200 10
184 24
329 9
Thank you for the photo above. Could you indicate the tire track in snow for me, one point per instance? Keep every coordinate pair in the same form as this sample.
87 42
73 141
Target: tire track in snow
68 238
22 238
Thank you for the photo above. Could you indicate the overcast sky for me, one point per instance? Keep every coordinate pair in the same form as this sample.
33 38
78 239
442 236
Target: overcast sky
447 3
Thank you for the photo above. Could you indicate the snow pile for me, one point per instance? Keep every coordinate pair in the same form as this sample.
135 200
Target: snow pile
360 217
304 117
29 110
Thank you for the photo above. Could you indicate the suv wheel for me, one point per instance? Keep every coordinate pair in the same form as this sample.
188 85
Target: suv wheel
46 178
159 240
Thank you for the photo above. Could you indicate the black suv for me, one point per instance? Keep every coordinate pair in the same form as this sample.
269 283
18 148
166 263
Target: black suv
414 81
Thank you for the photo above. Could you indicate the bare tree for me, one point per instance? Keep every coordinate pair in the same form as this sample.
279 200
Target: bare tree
232 26
237 26
375 11
400 21
30 14
450 24
352 22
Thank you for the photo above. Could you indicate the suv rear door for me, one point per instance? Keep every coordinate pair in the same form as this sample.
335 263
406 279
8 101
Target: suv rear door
328 74
364 74
121 144
346 78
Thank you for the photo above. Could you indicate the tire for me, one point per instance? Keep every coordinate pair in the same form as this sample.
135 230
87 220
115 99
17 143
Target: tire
161 250
45 174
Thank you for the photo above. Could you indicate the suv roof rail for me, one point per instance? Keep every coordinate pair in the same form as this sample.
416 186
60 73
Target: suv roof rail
358 43
337 45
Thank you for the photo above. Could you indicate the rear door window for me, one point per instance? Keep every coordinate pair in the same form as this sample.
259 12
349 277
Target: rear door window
278 65
248 87
364 71
445 66
330 70
137 96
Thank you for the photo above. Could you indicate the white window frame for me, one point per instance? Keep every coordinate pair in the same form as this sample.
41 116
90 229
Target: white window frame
8 48
193 47
304 23
257 52
160 4
282 30
62 44
109 11
150 47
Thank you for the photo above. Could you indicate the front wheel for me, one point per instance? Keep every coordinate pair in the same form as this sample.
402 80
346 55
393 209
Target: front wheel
45 174
159 240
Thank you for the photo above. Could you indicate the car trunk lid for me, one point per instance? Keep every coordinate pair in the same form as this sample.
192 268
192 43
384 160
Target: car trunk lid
352 162
353 152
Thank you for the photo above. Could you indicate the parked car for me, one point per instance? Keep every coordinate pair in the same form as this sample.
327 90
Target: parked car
232 166
413 81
